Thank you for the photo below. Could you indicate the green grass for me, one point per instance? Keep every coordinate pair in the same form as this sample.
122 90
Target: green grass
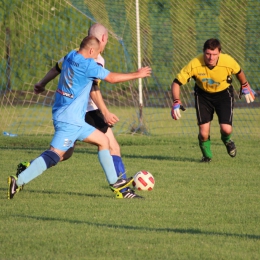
157 121
196 211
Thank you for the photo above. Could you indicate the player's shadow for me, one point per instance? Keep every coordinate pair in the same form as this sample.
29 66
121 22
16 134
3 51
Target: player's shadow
148 157
125 227
131 156
62 193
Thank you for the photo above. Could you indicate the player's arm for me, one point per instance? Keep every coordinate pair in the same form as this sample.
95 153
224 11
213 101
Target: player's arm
51 74
96 96
175 88
114 77
241 77
182 78
245 89
177 105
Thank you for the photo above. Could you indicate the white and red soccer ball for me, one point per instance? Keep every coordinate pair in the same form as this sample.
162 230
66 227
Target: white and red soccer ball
143 180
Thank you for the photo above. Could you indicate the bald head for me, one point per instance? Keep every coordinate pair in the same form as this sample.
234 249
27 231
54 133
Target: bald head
100 32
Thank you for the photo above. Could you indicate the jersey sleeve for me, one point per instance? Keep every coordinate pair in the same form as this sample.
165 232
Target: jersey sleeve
185 74
232 64
96 71
101 62
59 64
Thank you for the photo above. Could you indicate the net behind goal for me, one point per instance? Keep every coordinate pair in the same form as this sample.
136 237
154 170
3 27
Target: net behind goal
35 34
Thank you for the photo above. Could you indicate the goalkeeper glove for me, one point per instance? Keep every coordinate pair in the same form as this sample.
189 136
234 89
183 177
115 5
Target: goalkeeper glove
175 112
248 92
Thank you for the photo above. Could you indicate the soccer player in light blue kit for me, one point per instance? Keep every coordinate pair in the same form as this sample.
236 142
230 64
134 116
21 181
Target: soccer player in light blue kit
97 113
79 69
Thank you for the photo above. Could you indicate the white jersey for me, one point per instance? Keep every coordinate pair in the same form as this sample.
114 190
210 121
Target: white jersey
91 105
100 61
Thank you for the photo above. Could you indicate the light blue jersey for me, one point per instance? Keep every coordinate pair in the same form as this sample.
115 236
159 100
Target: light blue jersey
74 86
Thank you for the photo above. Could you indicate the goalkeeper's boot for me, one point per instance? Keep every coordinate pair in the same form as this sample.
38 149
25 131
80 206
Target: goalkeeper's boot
231 148
20 168
205 159
128 194
12 187
121 184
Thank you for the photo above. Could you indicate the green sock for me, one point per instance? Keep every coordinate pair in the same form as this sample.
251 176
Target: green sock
225 138
205 148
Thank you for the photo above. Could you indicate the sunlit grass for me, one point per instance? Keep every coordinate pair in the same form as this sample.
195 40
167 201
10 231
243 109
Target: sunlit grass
196 211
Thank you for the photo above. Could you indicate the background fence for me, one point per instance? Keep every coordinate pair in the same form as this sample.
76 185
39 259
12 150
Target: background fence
35 34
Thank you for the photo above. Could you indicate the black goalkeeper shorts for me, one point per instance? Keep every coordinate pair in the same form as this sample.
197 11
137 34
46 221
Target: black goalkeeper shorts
220 102
96 119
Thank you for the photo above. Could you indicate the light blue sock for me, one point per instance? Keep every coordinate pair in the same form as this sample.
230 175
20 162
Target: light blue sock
107 164
37 167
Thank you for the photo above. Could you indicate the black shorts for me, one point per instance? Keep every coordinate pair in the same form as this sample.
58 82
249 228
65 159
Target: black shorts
220 102
96 119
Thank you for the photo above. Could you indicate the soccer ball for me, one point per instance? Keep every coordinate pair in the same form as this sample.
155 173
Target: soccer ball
143 180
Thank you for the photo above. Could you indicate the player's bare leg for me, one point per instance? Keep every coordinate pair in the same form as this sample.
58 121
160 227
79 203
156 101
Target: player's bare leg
106 161
113 144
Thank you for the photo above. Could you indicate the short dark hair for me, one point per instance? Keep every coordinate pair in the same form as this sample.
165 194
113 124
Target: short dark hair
212 44
88 41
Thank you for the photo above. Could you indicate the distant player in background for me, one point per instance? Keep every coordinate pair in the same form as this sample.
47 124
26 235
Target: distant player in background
212 72
97 113
68 112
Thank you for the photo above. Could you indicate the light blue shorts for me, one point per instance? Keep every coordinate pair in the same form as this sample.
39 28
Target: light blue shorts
66 134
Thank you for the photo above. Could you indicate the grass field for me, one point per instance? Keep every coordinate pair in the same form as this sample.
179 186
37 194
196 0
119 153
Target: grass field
196 211
36 120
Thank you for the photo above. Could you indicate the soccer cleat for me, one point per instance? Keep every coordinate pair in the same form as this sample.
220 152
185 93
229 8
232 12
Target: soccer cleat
121 184
128 194
231 148
205 159
12 187
20 168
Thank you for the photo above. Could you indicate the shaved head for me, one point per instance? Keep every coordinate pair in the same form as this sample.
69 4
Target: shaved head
97 30
90 42
100 32
90 47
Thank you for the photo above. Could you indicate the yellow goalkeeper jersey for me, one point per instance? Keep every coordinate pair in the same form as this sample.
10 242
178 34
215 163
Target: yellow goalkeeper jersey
210 80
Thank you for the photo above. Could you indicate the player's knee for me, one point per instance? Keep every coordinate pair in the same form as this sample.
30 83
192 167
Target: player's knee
107 142
103 143
51 158
203 137
226 129
114 148
67 155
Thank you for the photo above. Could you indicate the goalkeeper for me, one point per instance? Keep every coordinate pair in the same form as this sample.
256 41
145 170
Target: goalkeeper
97 113
213 91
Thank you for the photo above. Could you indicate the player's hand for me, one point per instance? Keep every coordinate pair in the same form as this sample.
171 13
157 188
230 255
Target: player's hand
145 72
111 118
248 92
39 88
176 107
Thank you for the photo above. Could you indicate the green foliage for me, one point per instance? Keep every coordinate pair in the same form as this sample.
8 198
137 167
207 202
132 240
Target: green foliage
196 211
44 34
